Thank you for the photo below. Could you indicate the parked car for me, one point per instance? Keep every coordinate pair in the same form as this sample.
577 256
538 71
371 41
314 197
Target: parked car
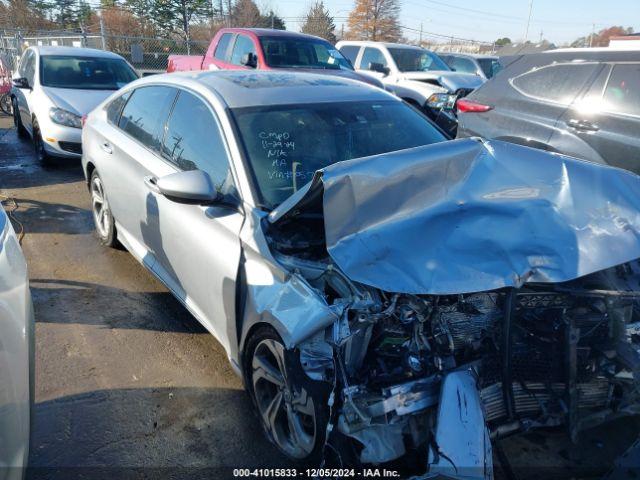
485 66
375 285
581 102
16 355
268 49
55 87
414 74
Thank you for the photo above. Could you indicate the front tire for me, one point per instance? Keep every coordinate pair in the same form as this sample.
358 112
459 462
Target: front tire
42 155
102 216
292 407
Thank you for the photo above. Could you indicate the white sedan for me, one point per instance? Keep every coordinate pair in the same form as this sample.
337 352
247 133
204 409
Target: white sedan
55 87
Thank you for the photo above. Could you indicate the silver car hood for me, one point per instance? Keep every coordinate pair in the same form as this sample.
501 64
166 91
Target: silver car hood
468 216
450 80
80 102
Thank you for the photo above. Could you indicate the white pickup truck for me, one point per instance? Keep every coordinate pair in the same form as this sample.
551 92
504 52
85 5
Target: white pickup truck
414 74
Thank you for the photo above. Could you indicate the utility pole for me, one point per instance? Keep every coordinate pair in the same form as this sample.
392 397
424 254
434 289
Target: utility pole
526 32
102 31
420 34
272 20
593 34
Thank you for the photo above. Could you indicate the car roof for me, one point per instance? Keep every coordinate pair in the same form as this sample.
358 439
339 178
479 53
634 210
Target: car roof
242 88
367 43
271 32
74 52
470 55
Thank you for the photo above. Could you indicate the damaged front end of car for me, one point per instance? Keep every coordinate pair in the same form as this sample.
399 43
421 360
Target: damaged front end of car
469 291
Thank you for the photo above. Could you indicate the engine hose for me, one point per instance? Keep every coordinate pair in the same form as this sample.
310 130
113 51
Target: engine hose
507 374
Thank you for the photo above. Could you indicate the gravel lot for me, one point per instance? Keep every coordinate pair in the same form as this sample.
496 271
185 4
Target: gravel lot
126 378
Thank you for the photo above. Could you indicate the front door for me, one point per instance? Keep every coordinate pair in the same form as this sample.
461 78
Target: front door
196 247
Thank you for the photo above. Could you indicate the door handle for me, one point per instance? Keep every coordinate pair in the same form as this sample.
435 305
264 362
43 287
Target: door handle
583 125
106 148
150 183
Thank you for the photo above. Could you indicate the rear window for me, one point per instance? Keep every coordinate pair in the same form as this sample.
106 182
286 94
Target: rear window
223 46
555 83
351 52
490 66
623 90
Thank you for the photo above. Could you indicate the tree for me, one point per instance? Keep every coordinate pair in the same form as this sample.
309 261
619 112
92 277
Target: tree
601 39
175 16
271 20
503 41
376 20
24 14
320 23
244 13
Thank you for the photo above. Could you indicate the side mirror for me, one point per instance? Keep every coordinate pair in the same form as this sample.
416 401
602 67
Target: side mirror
191 186
249 60
21 82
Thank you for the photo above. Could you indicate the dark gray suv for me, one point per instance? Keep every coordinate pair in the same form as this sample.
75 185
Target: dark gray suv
580 102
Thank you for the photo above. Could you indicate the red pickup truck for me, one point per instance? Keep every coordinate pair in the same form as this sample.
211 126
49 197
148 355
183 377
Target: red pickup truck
266 49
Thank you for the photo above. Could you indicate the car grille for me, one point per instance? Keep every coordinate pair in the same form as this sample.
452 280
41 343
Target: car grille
72 147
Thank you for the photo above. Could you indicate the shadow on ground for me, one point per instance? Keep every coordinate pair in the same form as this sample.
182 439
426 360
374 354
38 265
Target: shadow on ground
61 301
149 433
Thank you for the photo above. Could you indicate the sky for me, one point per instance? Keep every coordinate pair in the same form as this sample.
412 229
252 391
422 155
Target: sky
560 21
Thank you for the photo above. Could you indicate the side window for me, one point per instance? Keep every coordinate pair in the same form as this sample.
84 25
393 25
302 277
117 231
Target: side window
115 108
145 113
223 46
30 67
243 45
371 55
351 52
193 140
23 62
463 65
556 83
622 94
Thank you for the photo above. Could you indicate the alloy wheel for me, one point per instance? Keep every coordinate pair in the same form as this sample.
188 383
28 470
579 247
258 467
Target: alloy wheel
100 208
287 410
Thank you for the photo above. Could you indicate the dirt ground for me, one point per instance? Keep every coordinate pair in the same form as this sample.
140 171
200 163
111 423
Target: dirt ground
128 384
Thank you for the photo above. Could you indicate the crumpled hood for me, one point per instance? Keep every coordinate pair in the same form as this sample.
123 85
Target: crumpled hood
450 80
80 102
468 216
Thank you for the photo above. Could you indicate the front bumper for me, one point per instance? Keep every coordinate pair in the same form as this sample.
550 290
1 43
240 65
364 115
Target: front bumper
61 141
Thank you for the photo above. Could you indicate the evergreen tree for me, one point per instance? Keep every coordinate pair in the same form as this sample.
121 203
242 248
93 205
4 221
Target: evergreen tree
320 23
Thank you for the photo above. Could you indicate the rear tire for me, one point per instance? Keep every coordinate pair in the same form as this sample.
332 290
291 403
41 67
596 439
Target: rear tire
292 408
102 217
17 121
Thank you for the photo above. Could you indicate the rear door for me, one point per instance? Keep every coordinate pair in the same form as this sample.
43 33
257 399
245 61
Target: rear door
219 58
197 248
540 97
607 119
129 154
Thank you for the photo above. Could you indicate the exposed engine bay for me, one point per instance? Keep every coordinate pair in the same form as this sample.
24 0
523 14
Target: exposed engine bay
539 356
469 298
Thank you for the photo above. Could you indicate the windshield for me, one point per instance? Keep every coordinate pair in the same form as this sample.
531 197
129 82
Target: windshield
85 73
416 60
490 66
285 52
285 145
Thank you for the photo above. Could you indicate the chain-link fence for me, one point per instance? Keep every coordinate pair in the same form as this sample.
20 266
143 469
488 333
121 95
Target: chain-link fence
147 54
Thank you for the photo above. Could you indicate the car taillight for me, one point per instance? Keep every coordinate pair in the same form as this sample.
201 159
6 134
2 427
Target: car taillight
465 106
84 120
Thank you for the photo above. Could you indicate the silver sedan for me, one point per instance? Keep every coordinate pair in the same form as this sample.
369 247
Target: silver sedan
16 355
373 284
